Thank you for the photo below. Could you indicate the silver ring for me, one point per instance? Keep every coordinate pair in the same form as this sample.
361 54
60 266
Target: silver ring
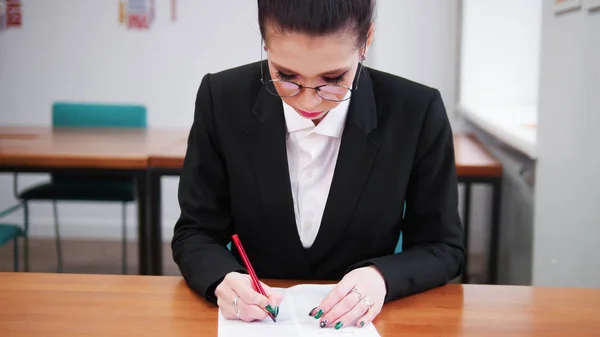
235 305
369 304
354 290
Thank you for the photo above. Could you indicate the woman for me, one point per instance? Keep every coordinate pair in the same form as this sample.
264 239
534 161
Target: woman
309 158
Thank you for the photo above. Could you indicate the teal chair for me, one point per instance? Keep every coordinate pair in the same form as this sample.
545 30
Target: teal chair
12 232
84 187
399 245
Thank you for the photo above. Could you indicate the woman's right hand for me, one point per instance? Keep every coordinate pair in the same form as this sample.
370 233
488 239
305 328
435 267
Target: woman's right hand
251 305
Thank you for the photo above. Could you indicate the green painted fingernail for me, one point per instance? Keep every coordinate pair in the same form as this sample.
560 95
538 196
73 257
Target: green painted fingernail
310 313
319 314
362 323
270 309
338 325
277 311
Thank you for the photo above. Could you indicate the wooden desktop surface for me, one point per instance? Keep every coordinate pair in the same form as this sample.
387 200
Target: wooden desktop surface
170 157
82 147
161 148
113 305
472 159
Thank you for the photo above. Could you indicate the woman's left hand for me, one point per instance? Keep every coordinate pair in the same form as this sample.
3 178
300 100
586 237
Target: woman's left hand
356 300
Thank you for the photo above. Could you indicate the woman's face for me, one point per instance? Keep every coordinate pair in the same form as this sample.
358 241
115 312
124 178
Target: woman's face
312 61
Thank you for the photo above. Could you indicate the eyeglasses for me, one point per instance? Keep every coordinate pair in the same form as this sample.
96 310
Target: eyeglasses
329 92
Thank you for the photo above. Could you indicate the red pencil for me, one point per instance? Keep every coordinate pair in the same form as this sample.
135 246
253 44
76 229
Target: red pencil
257 285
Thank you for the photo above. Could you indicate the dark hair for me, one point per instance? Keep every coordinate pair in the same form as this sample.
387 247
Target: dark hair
317 17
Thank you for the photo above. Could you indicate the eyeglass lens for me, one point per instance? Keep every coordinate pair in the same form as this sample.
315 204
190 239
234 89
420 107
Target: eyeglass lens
288 89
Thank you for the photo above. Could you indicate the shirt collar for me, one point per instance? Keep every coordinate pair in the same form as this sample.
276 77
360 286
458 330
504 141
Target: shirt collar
332 124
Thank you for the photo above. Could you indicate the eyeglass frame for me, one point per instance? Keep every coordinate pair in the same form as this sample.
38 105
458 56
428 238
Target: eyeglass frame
302 87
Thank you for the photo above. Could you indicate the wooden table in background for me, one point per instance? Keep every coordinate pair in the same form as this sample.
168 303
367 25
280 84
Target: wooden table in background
474 165
83 147
149 154
123 152
166 161
170 157
472 159
113 305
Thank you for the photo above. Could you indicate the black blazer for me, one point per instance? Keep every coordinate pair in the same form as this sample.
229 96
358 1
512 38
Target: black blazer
397 146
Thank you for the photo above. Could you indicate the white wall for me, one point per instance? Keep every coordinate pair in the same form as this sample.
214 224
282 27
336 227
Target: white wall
417 39
76 50
500 52
567 212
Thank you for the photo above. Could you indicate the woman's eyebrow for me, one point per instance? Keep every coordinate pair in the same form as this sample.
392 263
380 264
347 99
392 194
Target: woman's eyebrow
330 72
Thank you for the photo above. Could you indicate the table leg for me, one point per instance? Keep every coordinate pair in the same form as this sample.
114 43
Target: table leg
466 230
141 186
154 222
26 238
495 231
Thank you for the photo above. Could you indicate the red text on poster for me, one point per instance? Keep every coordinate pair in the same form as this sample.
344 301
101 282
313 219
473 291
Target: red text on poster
138 21
13 13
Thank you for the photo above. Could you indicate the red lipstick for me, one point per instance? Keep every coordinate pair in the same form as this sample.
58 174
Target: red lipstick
309 114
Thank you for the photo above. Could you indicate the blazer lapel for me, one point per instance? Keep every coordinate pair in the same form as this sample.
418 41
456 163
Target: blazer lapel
266 141
357 152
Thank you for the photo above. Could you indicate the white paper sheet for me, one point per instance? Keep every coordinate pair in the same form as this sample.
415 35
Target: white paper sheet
293 319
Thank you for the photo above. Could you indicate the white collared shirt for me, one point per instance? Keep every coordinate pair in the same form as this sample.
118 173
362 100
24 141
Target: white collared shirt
312 153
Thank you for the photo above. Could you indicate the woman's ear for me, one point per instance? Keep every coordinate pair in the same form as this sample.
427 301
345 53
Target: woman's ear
369 38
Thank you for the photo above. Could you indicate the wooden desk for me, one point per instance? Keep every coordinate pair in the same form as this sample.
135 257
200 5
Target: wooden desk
106 151
472 159
474 165
104 305
170 157
36 147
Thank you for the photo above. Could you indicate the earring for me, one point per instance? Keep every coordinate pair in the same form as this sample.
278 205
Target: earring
265 48
362 57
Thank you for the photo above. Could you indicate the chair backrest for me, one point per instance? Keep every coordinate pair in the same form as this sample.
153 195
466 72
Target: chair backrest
85 115
81 115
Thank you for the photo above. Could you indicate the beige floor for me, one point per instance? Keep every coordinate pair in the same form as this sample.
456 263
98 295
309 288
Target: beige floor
86 257
104 257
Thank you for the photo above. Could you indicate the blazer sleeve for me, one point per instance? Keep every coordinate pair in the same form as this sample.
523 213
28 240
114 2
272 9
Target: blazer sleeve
432 247
204 227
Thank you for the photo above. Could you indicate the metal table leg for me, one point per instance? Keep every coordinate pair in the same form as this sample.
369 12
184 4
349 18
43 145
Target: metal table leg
495 231
141 186
154 222
466 230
